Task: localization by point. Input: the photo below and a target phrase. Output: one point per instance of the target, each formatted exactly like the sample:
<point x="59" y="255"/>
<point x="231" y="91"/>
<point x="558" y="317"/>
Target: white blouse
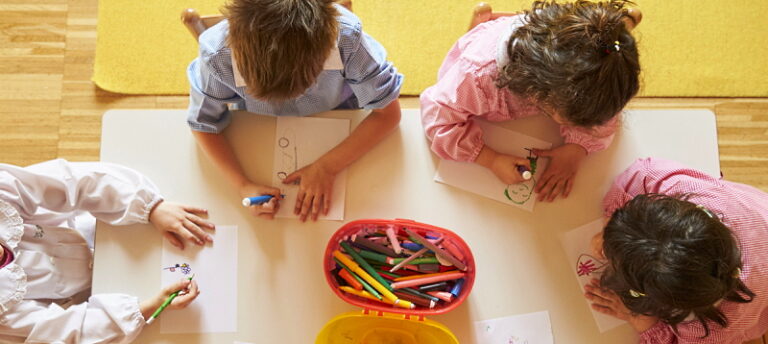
<point x="45" y="291"/>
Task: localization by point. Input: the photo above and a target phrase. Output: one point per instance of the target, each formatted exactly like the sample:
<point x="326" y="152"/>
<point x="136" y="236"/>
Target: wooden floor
<point x="49" y="108"/>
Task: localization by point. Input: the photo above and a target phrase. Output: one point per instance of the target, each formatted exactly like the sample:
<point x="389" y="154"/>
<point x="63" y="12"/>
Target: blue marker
<point x="456" y="290"/>
<point x="411" y="246"/>
<point x="249" y="201"/>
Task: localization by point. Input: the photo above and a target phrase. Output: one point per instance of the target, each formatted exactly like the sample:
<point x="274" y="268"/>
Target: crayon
<point x="456" y="290"/>
<point x="421" y="240"/>
<point x="427" y="280"/>
<point x="350" y="280"/>
<point x="405" y="278"/>
<point x="433" y="286"/>
<point x="442" y="295"/>
<point x="373" y="282"/>
<point x="364" y="265"/>
<point x="365" y="243"/>
<point x="365" y="284"/>
<point x="415" y="299"/>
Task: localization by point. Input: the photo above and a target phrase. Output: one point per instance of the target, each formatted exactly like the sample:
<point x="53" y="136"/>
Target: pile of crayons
<point x="397" y="266"/>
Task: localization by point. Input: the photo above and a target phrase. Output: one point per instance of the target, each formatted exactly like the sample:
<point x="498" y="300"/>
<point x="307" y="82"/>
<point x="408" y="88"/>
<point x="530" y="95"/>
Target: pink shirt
<point x="466" y="88"/>
<point x="743" y="209"/>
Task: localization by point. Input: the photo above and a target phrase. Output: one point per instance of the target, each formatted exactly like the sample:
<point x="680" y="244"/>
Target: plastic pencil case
<point x="451" y="243"/>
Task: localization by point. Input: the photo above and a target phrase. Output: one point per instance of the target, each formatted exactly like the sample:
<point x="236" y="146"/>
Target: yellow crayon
<point x="374" y="283"/>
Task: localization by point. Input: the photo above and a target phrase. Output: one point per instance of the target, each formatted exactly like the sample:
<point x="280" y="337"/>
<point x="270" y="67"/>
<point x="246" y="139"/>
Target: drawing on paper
<point x="184" y="268"/>
<point x="586" y="265"/>
<point x="520" y="193"/>
<point x="289" y="154"/>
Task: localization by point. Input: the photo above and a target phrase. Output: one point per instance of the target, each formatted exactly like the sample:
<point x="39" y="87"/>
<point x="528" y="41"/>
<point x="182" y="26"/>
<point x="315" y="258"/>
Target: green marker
<point x="165" y="304"/>
<point x="363" y="264"/>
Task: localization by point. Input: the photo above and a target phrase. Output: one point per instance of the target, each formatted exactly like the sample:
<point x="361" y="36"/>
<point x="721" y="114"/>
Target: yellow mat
<point x="688" y="47"/>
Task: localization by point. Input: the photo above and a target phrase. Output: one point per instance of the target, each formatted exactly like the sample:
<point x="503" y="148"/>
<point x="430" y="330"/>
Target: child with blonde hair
<point x="291" y="58"/>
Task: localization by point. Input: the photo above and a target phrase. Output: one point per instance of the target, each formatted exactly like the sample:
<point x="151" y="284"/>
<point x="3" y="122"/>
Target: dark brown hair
<point x="565" y="56"/>
<point x="280" y="46"/>
<point x="679" y="256"/>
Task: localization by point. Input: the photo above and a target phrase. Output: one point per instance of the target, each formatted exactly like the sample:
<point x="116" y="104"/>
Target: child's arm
<point x="112" y="193"/>
<point x="104" y="318"/>
<point x="317" y="178"/>
<point x="218" y="149"/>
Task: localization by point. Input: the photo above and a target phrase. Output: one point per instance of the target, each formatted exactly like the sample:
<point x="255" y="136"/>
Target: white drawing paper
<point x="214" y="267"/>
<point x="299" y="141"/>
<point x="480" y="180"/>
<point x="578" y="250"/>
<point x="530" y="328"/>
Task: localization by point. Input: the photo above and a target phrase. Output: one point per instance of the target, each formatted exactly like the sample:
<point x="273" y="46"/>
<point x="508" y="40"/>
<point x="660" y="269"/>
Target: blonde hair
<point x="280" y="46"/>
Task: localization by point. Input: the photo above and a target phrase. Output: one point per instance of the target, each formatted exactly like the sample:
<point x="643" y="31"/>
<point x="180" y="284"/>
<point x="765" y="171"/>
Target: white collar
<point x="333" y="62"/>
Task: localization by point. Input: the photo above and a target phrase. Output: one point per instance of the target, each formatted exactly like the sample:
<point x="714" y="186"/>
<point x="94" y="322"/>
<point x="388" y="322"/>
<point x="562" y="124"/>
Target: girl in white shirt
<point x="46" y="225"/>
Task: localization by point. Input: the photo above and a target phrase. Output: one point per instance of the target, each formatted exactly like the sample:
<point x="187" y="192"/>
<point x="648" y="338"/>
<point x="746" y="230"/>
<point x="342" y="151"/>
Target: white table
<point x="283" y="296"/>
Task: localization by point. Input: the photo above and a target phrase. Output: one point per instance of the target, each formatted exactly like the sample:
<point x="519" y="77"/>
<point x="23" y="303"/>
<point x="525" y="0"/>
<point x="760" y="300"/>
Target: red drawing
<point x="586" y="265"/>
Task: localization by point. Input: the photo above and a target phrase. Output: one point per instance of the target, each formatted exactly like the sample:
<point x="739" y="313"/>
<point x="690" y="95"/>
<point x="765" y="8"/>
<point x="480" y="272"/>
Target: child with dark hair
<point x="687" y="256"/>
<point x="576" y="63"/>
<point x="291" y="58"/>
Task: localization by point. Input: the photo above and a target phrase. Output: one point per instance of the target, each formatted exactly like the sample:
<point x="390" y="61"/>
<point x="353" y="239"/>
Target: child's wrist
<point x="486" y="157"/>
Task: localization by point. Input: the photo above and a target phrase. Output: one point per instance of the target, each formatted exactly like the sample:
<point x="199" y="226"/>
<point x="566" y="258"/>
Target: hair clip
<point x="634" y="293"/>
<point x="616" y="46"/>
<point x="705" y="210"/>
<point x="737" y="273"/>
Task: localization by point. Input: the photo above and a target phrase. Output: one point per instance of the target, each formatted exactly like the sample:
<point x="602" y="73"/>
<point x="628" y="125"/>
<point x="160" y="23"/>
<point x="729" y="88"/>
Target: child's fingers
<point x="290" y="179"/>
<point x="171" y="237"/>
<point x="542" y="152"/>
<point x="523" y="162"/>
<point x="604" y="310"/>
<point x="327" y="202"/>
<point x="199" y="234"/>
<point x="182" y="231"/>
<point x="201" y="221"/>
<point x="557" y="188"/>
<point x="194" y="210"/>
<point x="568" y="187"/>
<point x="176" y="286"/>
<point x="306" y="206"/>
<point x="317" y="205"/>
<point x="183" y="301"/>
<point x="543" y="181"/>
<point x="299" y="202"/>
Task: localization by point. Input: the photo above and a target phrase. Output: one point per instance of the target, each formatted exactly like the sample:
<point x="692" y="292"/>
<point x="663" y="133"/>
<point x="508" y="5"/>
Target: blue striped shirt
<point x="367" y="80"/>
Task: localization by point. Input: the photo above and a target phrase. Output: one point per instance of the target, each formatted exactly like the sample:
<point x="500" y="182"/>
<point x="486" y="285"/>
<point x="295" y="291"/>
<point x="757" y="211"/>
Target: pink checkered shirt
<point x="466" y="88"/>
<point x="743" y="209"/>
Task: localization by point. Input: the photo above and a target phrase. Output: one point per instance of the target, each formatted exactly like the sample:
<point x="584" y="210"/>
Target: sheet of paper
<point x="531" y="328"/>
<point x="215" y="270"/>
<point x="576" y="244"/>
<point x="480" y="180"/>
<point x="299" y="141"/>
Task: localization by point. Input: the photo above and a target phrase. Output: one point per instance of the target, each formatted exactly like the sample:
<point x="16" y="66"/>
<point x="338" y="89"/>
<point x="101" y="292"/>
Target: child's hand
<point x="502" y="165"/>
<point x="188" y="292"/>
<point x="607" y="302"/>
<point x="315" y="190"/>
<point x="558" y="178"/>
<point x="505" y="168"/>
<point x="266" y="210"/>
<point x="178" y="221"/>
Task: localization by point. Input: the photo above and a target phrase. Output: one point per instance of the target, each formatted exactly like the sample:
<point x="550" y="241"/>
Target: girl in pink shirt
<point x="687" y="253"/>
<point x="576" y="63"/>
